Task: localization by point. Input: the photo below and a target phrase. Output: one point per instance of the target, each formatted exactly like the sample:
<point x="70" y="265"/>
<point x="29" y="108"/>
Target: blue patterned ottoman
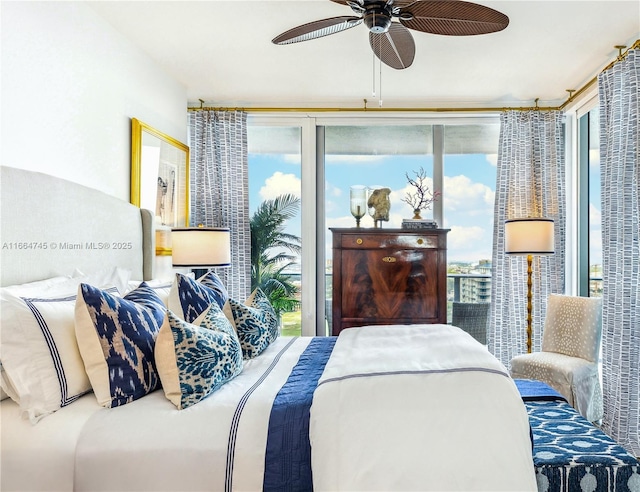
<point x="570" y="454"/>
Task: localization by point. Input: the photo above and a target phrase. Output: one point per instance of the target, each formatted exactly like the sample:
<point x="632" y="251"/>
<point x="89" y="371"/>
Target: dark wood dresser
<point x="389" y="276"/>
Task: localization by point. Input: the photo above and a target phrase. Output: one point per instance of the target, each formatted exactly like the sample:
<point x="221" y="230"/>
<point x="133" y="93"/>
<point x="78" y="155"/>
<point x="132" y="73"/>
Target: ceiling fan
<point x="391" y="41"/>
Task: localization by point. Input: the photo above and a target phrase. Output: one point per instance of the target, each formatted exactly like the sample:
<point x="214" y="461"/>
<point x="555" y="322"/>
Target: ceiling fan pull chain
<point x="380" y="70"/>
<point x="373" y="74"/>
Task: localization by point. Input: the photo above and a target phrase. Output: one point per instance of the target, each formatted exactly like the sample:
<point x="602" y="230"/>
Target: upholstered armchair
<point x="568" y="361"/>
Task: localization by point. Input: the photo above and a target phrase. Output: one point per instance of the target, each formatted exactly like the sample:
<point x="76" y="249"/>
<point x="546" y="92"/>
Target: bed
<point x="420" y="407"/>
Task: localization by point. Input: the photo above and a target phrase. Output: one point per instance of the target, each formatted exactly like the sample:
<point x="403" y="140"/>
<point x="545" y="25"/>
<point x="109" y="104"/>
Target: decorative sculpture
<point x="423" y="197"/>
<point x="379" y="201"/>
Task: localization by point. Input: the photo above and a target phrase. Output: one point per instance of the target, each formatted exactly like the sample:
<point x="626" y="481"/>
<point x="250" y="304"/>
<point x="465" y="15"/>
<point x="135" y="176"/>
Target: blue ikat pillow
<point x="116" y="337"/>
<point x="190" y="298"/>
<point x="196" y="359"/>
<point x="255" y="321"/>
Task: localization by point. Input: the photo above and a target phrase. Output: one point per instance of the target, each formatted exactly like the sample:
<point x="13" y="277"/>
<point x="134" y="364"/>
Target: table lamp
<point x="201" y="248"/>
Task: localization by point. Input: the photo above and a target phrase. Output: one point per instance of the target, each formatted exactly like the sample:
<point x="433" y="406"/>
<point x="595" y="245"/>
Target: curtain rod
<point x="572" y="95"/>
<point x="370" y="110"/>
<point x="621" y="56"/>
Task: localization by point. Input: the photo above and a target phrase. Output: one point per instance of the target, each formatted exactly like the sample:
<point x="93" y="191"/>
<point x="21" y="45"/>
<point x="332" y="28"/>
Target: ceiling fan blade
<point x="395" y="47"/>
<point x="317" y="29"/>
<point x="453" y="18"/>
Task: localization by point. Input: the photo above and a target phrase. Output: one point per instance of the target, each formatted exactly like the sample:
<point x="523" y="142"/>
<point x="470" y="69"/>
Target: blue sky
<point x="468" y="195"/>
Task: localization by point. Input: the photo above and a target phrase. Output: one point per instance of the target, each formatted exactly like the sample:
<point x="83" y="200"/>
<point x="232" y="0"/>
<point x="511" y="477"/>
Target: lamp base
<point x="199" y="272"/>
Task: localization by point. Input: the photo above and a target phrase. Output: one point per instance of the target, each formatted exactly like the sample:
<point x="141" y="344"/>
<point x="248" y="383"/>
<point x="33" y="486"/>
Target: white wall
<point x="70" y="84"/>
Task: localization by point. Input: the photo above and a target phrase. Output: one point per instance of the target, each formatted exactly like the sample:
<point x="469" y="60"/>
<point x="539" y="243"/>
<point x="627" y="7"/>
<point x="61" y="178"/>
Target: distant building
<point x="476" y="287"/>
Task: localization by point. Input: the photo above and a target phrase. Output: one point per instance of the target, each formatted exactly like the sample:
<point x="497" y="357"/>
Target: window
<point x="458" y="157"/>
<point x="470" y="159"/>
<point x="589" y="229"/>
<point x="275" y="185"/>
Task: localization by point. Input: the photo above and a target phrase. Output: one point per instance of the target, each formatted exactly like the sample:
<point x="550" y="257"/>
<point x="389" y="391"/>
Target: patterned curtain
<point x="619" y="88"/>
<point x="530" y="182"/>
<point x="219" y="181"/>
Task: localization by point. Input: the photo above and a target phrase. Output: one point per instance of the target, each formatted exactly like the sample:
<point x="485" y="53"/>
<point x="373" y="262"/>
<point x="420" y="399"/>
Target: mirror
<point x="159" y="175"/>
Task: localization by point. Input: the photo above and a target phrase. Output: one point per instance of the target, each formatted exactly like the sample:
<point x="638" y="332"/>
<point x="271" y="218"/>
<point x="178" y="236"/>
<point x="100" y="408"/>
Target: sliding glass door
<point x="321" y="158"/>
<point x="275" y="191"/>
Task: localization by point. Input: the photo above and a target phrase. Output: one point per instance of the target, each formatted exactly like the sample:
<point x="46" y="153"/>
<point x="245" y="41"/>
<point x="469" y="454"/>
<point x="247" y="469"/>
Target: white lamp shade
<point x="531" y="236"/>
<point x="197" y="247"/>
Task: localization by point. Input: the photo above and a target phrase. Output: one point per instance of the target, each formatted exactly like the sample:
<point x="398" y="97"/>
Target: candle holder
<point x="358" y="196"/>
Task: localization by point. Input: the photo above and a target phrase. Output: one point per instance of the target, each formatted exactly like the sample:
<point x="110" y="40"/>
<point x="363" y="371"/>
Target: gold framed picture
<point x="159" y="175"/>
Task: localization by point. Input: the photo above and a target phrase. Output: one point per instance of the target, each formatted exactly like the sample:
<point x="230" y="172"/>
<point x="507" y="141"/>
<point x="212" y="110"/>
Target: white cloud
<point x="332" y="190"/>
<point x="463" y="195"/>
<point x="279" y="184"/>
<point x="492" y="159"/>
<point x="469" y="243"/>
<point x="594" y="158"/>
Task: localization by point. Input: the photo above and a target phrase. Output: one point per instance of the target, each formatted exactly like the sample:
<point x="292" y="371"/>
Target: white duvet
<point x="149" y="445"/>
<point x="398" y="408"/>
<point x="218" y="444"/>
<point x="420" y="407"/>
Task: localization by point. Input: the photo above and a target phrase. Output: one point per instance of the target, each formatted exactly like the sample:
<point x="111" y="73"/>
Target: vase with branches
<point x="423" y="197"/>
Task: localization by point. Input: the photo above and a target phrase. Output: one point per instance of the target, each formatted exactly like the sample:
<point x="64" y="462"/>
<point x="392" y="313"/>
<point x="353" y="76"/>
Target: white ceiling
<point x="221" y="51"/>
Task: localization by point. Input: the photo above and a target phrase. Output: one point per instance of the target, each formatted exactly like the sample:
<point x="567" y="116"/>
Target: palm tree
<point x="271" y="251"/>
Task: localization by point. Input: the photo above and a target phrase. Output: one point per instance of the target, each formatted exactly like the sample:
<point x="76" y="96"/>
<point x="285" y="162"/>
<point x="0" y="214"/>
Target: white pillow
<point x="107" y="277"/>
<point x="62" y="285"/>
<point x="6" y="387"/>
<point x="40" y="354"/>
<point x="40" y="287"/>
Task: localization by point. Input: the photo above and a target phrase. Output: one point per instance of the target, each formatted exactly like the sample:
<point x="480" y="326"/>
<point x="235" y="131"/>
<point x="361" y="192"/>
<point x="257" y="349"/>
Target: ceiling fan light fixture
<point x="377" y="19"/>
<point x="392" y="42"/>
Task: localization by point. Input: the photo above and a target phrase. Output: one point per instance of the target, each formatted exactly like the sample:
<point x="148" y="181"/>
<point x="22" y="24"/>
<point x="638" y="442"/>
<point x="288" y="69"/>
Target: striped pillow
<point x="40" y="356"/>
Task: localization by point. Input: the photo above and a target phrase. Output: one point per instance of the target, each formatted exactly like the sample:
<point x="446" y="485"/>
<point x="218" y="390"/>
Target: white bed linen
<point x="421" y="407"/>
<point x="150" y="445"/>
<point x="41" y="456"/>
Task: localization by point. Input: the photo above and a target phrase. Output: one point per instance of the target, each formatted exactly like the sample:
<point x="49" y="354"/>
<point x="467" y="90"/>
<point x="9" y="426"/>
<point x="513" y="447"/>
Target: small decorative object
<point x="358" y="195"/>
<point x="371" y="210"/>
<point x="379" y="201"/>
<point x="423" y="197"/>
<point x="419" y="224"/>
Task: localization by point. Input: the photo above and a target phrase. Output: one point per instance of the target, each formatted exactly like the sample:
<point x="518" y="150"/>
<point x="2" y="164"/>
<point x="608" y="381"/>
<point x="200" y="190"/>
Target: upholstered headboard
<point x="50" y="226"/>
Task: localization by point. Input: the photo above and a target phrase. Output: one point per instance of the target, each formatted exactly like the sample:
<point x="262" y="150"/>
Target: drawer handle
<point x="420" y="241"/>
<point x="389" y="259"/>
<point x="359" y="241"/>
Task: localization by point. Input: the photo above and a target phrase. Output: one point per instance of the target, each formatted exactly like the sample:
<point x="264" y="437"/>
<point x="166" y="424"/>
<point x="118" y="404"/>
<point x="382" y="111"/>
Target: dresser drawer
<point x="388" y="277"/>
<point x="381" y="241"/>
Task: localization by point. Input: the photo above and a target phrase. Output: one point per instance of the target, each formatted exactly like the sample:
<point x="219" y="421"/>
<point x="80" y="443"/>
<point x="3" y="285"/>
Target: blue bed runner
<point x="288" y="454"/>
